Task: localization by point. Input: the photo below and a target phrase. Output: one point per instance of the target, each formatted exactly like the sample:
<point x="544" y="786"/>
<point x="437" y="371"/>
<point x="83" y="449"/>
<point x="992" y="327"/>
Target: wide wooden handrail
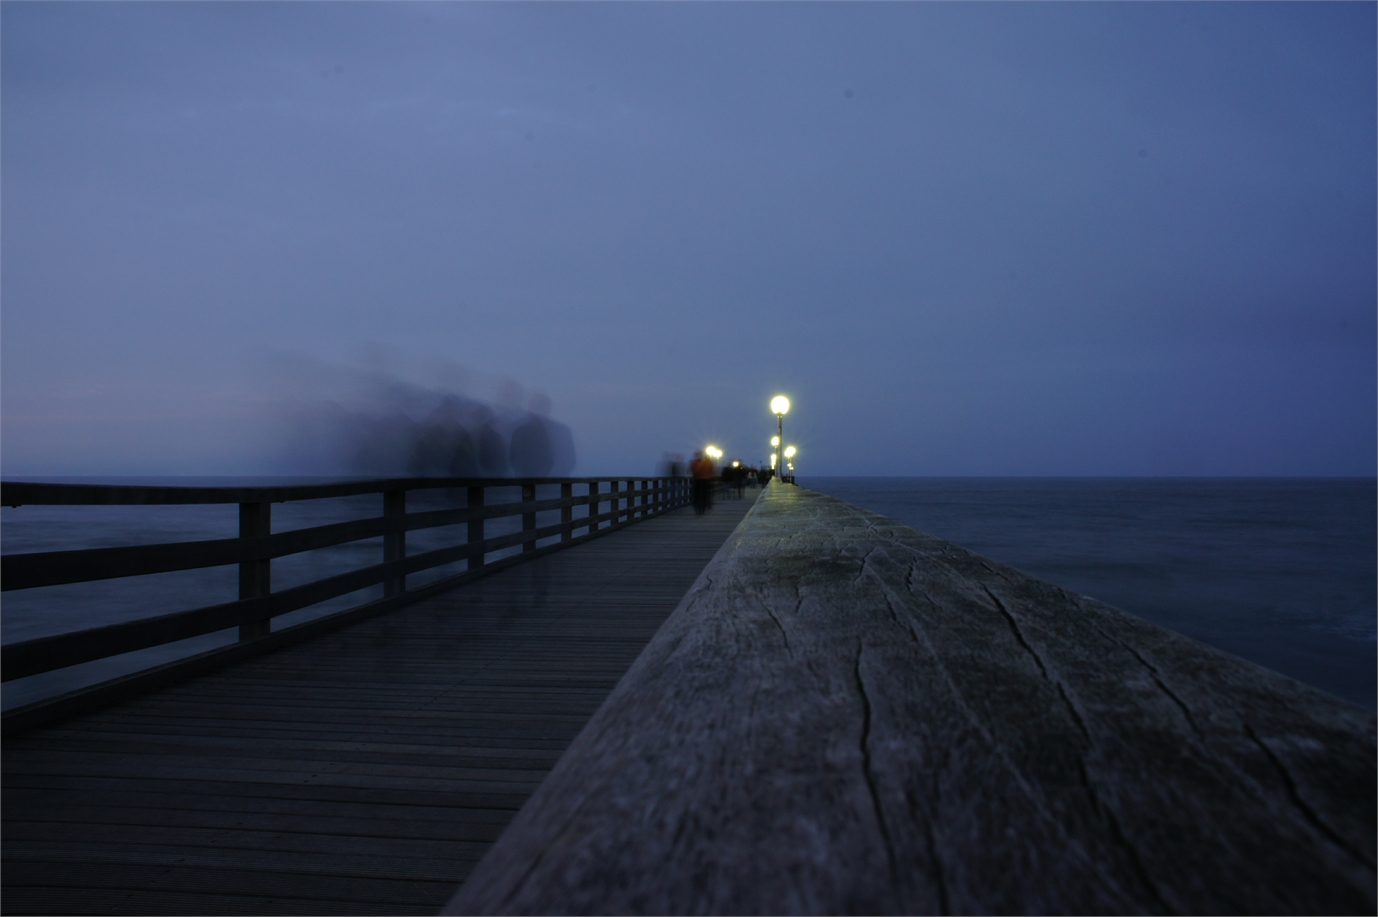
<point x="630" y="499"/>
<point x="844" y="715"/>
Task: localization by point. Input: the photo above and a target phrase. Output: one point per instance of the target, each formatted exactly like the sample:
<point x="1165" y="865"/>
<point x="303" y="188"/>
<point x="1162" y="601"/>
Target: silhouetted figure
<point x="739" y="481"/>
<point x="464" y="461"/>
<point x="532" y="454"/>
<point x="492" y="450"/>
<point x="442" y="445"/>
<point x="672" y="464"/>
<point x="561" y="439"/>
<point x="701" y="468"/>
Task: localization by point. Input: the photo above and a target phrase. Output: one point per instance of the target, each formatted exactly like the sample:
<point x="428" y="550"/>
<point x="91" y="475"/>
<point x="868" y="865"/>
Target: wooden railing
<point x="628" y="500"/>
<point x="846" y="716"/>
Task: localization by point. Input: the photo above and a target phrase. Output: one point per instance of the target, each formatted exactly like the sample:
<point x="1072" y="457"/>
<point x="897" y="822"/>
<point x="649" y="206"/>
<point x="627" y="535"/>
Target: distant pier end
<point x="847" y="716"/>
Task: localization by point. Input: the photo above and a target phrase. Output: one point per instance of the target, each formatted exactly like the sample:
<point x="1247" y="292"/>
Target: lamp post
<point x="789" y="459"/>
<point x="780" y="405"/>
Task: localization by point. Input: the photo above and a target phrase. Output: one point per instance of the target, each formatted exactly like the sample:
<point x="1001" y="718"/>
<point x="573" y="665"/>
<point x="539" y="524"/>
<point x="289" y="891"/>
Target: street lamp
<point x="780" y="405"/>
<point x="789" y="461"/>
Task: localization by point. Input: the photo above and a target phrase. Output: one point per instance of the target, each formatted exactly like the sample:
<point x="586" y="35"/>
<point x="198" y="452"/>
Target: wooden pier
<point x="364" y="771"/>
<point x="822" y="711"/>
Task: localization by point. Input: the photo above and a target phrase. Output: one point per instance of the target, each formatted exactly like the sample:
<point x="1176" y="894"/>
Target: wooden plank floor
<point x="363" y="772"/>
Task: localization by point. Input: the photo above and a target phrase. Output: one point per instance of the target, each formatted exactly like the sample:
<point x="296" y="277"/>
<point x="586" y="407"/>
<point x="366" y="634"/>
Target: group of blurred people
<point x="461" y="437"/>
<point x="708" y="479"/>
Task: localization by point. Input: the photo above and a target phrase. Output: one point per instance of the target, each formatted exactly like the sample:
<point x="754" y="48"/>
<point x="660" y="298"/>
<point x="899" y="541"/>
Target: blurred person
<point x="443" y="445"/>
<point x="532" y="455"/>
<point x="701" y="469"/>
<point x="563" y="458"/>
<point x="492" y="447"/>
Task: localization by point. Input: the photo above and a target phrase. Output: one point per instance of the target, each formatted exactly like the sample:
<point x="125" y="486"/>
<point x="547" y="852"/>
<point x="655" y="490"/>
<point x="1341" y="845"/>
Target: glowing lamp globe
<point x="779" y="405"/>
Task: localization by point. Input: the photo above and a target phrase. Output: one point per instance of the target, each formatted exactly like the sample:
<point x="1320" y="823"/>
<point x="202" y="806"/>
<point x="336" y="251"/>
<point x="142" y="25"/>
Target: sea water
<point x="1277" y="571"/>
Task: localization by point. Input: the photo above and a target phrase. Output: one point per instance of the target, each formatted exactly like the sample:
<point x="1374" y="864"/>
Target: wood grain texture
<point x="847" y="716"/>
<point x="365" y="771"/>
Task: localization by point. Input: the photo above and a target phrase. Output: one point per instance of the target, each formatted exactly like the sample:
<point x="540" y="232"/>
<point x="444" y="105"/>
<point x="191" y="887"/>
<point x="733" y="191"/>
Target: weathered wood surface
<point x="363" y="772"/>
<point x="847" y="716"/>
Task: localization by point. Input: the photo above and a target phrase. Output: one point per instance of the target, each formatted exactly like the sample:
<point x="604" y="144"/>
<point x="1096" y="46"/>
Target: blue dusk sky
<point x="965" y="239"/>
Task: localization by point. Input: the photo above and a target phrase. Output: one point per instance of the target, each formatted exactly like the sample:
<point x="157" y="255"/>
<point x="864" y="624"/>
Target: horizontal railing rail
<point x="55" y="568"/>
<point x="25" y="493"/>
<point x="629" y="499"/>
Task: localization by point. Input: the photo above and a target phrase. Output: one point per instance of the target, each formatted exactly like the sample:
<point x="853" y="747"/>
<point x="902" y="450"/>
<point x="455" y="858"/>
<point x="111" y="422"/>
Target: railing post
<point x="394" y="544"/>
<point x="476" y="526"/>
<point x="593" y="505"/>
<point x="528" y="519"/>
<point x="255" y="576"/>
<point x="566" y="513"/>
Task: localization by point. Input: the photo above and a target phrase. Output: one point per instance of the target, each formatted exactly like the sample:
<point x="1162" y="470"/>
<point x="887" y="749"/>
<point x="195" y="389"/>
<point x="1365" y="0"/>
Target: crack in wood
<point x="1157" y="679"/>
<point x="783" y="636"/>
<point x="1309" y="813"/>
<point x="1136" y="861"/>
<point x="868" y="772"/>
<point x="1014" y="628"/>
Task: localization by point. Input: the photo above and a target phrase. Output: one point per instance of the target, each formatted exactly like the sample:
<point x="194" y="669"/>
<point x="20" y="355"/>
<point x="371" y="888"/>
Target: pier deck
<point x="365" y="771"/>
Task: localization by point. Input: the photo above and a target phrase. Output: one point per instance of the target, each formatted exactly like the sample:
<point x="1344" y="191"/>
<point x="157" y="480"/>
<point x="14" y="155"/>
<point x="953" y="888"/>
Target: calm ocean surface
<point x="1279" y="571"/>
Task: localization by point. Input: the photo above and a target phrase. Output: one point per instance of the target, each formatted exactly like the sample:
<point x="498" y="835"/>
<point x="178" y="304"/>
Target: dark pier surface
<point x="365" y="771"/>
